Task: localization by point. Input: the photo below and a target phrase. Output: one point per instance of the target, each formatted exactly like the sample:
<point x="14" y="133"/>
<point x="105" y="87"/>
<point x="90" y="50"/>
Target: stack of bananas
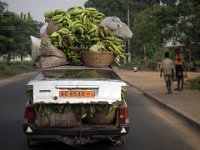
<point x="80" y="28"/>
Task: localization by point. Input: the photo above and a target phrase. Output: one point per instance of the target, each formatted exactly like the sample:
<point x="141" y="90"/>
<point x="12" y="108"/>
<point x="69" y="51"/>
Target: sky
<point x="37" y="8"/>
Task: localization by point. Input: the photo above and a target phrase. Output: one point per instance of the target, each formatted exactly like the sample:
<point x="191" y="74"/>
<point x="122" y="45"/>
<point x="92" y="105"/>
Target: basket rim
<point x="97" y="52"/>
<point x="97" y="59"/>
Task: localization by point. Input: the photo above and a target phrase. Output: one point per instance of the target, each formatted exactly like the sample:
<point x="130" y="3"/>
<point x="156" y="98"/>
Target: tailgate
<point x="73" y="91"/>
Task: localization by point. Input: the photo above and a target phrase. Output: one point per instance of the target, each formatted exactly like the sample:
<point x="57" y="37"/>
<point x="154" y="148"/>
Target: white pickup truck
<point x="76" y="105"/>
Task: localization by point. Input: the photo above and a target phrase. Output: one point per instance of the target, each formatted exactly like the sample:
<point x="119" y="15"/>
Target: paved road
<point x="152" y="128"/>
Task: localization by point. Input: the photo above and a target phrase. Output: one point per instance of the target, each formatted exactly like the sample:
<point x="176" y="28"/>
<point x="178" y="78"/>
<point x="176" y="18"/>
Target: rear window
<point x="80" y="74"/>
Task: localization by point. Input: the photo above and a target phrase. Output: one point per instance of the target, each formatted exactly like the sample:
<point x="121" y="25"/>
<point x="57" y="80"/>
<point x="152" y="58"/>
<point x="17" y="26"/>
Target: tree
<point x="3" y="6"/>
<point x="119" y="7"/>
<point x="189" y="25"/>
<point x="26" y="27"/>
<point x="182" y="24"/>
<point x="15" y="33"/>
<point x="29" y="17"/>
<point x="7" y="30"/>
<point x="147" y="37"/>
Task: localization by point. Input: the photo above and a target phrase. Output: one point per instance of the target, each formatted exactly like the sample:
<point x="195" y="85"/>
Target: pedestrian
<point x="179" y="67"/>
<point x="166" y="69"/>
<point x="158" y="62"/>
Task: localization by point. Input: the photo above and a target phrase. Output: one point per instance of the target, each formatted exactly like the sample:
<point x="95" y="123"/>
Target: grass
<point x="195" y="84"/>
<point x="14" y="68"/>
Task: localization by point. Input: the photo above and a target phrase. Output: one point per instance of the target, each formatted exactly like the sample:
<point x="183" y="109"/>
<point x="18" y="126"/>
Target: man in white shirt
<point x="166" y="69"/>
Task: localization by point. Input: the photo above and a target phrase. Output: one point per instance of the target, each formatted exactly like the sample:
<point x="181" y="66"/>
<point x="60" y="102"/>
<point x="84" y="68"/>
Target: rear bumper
<point x="108" y="131"/>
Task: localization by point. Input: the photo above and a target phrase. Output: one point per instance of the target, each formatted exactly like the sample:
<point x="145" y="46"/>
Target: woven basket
<point x="97" y="59"/>
<point x="103" y="117"/>
<point x="67" y="119"/>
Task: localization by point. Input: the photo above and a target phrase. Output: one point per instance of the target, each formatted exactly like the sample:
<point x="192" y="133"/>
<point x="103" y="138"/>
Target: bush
<point x="13" y="68"/>
<point x="195" y="84"/>
<point x="151" y="64"/>
<point x="129" y="66"/>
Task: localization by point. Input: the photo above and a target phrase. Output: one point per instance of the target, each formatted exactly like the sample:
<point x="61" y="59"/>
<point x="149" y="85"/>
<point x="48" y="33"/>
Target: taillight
<point x="123" y="115"/>
<point x="30" y="114"/>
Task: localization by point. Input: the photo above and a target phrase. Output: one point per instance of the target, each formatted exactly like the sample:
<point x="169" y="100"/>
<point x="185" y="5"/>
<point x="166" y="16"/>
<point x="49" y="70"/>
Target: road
<point x="152" y="127"/>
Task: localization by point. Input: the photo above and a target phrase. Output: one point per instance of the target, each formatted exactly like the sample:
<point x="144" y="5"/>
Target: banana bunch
<point x="86" y="15"/>
<point x="79" y="27"/>
<point x="63" y="38"/>
<point x="115" y="45"/>
<point x="55" y="16"/>
<point x="43" y="110"/>
<point x="48" y="110"/>
<point x="88" y="111"/>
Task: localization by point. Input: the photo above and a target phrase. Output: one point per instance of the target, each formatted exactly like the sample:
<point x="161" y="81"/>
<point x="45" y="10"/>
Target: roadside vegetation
<point x="14" y="68"/>
<point x="194" y="84"/>
<point x="15" y="31"/>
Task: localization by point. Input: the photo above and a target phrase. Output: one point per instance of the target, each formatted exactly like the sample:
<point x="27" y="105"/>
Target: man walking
<point x="179" y="65"/>
<point x="166" y="69"/>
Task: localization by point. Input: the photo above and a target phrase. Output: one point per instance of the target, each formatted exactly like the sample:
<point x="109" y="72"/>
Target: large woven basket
<point x="103" y="117"/>
<point x="67" y="119"/>
<point x="97" y="59"/>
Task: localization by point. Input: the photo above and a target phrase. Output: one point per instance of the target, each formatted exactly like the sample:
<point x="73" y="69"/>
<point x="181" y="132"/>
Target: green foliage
<point x="195" y="84"/>
<point x="157" y="25"/>
<point x="12" y="69"/>
<point x="119" y="7"/>
<point x="15" y="33"/>
<point x="3" y="6"/>
<point x="147" y="34"/>
<point x="189" y="23"/>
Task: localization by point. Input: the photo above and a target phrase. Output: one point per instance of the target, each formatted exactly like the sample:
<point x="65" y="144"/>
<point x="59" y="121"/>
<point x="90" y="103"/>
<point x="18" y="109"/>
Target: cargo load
<point x="82" y="30"/>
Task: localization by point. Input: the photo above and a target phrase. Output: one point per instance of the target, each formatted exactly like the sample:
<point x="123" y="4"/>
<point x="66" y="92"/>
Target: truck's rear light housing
<point x="123" y="115"/>
<point x="30" y="115"/>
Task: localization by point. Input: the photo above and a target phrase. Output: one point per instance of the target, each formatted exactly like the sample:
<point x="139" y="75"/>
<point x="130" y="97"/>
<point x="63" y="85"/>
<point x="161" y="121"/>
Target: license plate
<point x="77" y="93"/>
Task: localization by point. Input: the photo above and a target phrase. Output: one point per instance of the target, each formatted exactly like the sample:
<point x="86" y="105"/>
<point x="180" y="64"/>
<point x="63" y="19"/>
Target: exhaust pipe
<point x="114" y="141"/>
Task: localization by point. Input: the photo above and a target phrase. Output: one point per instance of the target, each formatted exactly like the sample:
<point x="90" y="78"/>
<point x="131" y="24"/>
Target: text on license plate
<point x="77" y="93"/>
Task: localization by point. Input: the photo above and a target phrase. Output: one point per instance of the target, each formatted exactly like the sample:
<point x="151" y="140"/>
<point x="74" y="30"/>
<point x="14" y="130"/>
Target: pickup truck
<point x="76" y="105"/>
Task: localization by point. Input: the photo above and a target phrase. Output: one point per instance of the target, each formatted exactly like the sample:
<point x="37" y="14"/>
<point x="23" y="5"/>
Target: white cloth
<point x="167" y="66"/>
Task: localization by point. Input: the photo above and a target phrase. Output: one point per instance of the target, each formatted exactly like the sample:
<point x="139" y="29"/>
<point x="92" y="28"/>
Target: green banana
<point x="57" y="17"/>
<point x="59" y="11"/>
<point x="91" y="9"/>
<point x="85" y="19"/>
<point x="95" y="39"/>
<point x="81" y="30"/>
<point x="106" y="31"/>
<point x="81" y="16"/>
<point x="93" y="29"/>
<point x="64" y="31"/>
<point x="75" y="12"/>
<point x="80" y="25"/>
<point x="54" y="34"/>
<point x="101" y="33"/>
